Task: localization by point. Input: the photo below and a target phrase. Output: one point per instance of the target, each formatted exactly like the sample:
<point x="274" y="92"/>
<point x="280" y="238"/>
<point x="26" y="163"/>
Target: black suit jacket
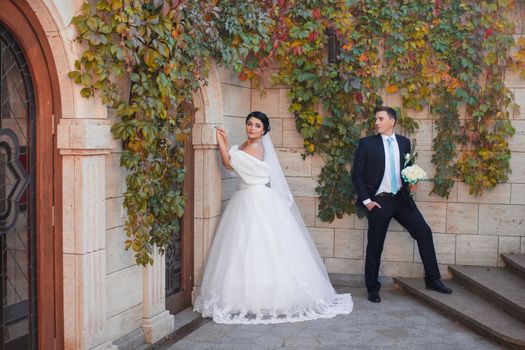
<point x="369" y="167"/>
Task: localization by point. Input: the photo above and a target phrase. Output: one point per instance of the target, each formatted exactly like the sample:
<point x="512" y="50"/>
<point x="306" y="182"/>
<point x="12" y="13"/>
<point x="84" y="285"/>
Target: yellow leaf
<point x="391" y="89"/>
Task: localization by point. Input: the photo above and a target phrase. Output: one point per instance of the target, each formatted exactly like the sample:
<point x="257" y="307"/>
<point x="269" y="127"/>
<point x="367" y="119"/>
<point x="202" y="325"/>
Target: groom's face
<point x="384" y="123"/>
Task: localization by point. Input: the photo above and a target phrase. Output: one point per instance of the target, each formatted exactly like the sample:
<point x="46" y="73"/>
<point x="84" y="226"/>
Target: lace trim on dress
<point x="341" y="304"/>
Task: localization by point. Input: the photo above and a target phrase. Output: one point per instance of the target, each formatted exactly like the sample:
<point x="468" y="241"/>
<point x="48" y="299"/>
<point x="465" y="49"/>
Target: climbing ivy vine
<point x="446" y="57"/>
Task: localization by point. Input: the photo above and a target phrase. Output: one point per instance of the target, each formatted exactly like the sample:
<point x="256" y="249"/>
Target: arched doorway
<point x="31" y="246"/>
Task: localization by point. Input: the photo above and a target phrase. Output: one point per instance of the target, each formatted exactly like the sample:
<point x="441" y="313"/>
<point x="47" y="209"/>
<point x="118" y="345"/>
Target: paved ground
<point x="398" y="322"/>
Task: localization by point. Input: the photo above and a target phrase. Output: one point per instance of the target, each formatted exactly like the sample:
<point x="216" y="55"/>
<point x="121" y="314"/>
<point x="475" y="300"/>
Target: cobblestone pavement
<point x="398" y="322"/>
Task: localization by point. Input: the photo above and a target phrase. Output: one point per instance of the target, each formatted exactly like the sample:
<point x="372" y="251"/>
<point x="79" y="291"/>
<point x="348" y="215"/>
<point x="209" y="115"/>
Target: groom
<point x="376" y="174"/>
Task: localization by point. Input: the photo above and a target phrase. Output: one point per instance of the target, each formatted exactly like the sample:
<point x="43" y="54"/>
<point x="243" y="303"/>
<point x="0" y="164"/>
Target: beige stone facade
<point x="107" y="296"/>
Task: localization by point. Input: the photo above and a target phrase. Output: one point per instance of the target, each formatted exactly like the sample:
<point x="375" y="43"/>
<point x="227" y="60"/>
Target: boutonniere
<point x="411" y="156"/>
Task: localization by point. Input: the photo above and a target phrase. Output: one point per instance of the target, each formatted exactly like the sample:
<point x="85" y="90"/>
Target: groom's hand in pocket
<point x="371" y="205"/>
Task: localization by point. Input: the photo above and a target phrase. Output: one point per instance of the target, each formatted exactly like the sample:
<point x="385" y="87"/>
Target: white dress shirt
<point x="386" y="185"/>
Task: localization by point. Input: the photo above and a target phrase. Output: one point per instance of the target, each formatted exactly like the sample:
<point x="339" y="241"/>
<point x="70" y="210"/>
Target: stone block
<point x="508" y="245"/>
<point x="230" y="77"/>
<point x="445" y="246"/>
<point x="424" y="136"/>
<point x="198" y="250"/>
<point x="235" y="129"/>
<point x="292" y="138"/>
<point x="517" y="142"/>
<point x="346" y="266"/>
<point x="517" y="164"/>
<point x="435" y="215"/>
<point x="228" y="187"/>
<point x="361" y="223"/>
<point x="68" y="205"/>
<point x="324" y="240"/>
<point x="499" y="194"/>
<point x="115" y="178"/>
<point x="504" y="220"/>
<point x="293" y="164"/>
<point x="425" y="187"/>
<point x="399" y="246"/>
<point x="308" y="209"/>
<point x="519" y="96"/>
<point x="115" y="212"/>
<point x="401" y="269"/>
<point x="349" y="244"/>
<point x="347" y="221"/>
<point x="477" y="250"/>
<point x="318" y="163"/>
<point x="302" y="186"/>
<point x="268" y="104"/>
<point x="284" y="104"/>
<point x="84" y="134"/>
<point x="117" y="257"/>
<point x="424" y="160"/>
<point x="517" y="194"/>
<point x="125" y="322"/>
<point x="462" y="218"/>
<point x="124" y="290"/>
<point x="236" y="100"/>
<point x="198" y="185"/>
<point x="211" y="192"/>
<point x="276" y="132"/>
<point x="512" y="79"/>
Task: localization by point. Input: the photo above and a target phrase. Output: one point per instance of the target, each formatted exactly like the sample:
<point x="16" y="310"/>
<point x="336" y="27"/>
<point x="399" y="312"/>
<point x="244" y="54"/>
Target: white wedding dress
<point x="263" y="266"/>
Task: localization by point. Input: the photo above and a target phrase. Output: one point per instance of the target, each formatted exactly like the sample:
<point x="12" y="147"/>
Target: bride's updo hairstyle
<point x="262" y="117"/>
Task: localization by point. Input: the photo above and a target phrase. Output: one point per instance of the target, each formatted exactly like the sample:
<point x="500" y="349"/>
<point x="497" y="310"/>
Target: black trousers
<point x="412" y="220"/>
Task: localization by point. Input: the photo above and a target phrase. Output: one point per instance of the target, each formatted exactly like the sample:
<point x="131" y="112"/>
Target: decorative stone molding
<point x="84" y="136"/>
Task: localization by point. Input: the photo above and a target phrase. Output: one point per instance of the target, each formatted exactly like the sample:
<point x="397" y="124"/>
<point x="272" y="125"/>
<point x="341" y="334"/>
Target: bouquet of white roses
<point x="413" y="173"/>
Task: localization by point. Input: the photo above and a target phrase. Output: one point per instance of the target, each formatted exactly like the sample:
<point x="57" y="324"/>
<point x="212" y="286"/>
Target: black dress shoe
<point x="374" y="297"/>
<point x="437" y="285"/>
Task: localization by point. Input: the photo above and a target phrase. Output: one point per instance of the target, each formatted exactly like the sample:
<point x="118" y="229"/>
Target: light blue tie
<point x="393" y="178"/>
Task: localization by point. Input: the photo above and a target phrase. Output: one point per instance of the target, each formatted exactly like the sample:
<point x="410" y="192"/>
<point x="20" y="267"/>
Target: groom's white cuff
<point x="366" y="201"/>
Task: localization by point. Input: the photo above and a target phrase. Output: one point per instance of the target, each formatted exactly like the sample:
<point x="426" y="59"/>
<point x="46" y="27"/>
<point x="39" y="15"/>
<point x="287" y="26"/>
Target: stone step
<point x="472" y="310"/>
<point x="497" y="285"/>
<point x="515" y="263"/>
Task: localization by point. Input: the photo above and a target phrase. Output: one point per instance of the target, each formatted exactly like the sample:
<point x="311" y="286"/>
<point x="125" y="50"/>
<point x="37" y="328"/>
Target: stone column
<point x="207" y="185"/>
<point x="83" y="144"/>
<point x="157" y="322"/>
<point x="207" y="196"/>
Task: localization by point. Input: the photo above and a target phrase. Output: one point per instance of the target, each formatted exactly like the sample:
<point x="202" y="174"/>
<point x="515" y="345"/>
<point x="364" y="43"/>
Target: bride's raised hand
<point x="222" y="137"/>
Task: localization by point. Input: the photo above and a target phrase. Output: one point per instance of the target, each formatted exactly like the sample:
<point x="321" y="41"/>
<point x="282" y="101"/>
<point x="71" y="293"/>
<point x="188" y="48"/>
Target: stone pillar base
<point x="158" y="326"/>
<point x="105" y="346"/>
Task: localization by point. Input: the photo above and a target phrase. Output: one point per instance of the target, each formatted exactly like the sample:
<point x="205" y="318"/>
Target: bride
<point x="263" y="266"/>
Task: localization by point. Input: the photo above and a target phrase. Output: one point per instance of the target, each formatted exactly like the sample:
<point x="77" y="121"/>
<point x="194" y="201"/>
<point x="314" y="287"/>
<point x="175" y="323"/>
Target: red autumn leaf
<point x="316" y="13"/>
<point x="488" y="32"/>
<point x="298" y="50"/>
<point x="312" y="36"/>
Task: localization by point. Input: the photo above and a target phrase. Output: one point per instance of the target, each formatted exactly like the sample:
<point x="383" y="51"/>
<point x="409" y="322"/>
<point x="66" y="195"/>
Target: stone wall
<point x="467" y="230"/>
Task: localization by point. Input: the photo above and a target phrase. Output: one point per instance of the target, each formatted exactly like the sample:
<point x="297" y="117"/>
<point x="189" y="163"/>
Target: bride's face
<point x="254" y="128"/>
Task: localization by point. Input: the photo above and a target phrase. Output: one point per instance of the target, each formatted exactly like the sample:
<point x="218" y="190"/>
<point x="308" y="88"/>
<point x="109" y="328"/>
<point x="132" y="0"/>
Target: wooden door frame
<point x="25" y="27"/>
<point x="182" y="299"/>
